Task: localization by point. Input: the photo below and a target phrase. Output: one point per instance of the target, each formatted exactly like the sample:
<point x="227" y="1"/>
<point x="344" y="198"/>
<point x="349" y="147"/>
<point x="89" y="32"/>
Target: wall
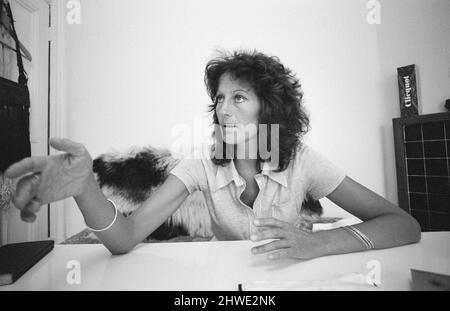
<point x="412" y="32"/>
<point x="135" y="71"/>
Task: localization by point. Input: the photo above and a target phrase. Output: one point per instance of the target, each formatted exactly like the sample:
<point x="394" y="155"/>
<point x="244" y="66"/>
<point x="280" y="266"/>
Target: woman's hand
<point x="290" y="242"/>
<point x="50" y="179"/>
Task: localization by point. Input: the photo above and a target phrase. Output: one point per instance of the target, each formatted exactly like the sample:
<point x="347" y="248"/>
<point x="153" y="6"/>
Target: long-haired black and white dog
<point x="130" y="178"/>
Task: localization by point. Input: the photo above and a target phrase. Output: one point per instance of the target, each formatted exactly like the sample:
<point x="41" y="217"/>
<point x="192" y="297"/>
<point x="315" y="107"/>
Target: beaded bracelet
<point x="360" y="236"/>
<point x="112" y="223"/>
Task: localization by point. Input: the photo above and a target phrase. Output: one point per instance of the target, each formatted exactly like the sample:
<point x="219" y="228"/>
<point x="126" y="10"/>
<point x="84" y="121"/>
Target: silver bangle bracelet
<point x="360" y="236"/>
<point x="112" y="223"/>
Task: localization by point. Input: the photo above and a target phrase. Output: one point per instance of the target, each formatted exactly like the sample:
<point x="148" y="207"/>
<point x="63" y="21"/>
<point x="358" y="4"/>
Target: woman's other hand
<point x="290" y="241"/>
<point x="50" y="179"/>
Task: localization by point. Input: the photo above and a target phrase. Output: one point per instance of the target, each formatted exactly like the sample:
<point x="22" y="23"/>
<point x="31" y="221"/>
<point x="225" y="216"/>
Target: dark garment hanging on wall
<point x="14" y="112"/>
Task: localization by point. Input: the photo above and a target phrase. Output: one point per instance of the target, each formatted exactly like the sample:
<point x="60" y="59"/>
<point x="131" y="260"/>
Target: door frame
<point x="39" y="229"/>
<point x="58" y="119"/>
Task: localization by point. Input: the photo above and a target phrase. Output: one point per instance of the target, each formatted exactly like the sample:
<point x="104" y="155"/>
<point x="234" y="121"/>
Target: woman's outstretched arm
<point x="49" y="179"/>
<point x="127" y="232"/>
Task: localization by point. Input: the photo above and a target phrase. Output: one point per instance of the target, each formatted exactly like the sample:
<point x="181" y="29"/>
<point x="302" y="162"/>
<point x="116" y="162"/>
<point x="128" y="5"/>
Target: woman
<point x="247" y="198"/>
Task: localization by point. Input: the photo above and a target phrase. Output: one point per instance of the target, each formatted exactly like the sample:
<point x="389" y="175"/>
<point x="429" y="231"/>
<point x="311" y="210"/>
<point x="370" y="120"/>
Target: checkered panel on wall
<point x="423" y="169"/>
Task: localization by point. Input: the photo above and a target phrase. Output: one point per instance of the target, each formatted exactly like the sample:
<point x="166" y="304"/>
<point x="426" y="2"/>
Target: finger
<point x="67" y="145"/>
<point x="281" y="254"/>
<point x="26" y="191"/>
<point x="270" y="247"/>
<point x="33" y="207"/>
<point x="28" y="217"/>
<point x="26" y="166"/>
<point x="272" y="233"/>
<point x="261" y="222"/>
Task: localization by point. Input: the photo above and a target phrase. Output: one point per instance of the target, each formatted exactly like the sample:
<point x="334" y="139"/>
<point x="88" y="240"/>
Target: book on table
<point x="17" y="259"/>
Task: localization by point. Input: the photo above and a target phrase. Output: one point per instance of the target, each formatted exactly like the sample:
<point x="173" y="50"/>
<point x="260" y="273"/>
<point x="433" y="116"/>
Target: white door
<point x="32" y="25"/>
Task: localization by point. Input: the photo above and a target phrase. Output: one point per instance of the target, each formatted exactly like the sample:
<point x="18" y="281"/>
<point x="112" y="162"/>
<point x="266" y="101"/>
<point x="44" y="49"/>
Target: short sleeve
<point x="192" y="173"/>
<point x="321" y="175"/>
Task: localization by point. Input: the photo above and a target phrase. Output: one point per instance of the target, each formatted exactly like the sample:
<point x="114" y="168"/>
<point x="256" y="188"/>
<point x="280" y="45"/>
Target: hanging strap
<point x="1" y="8"/>
<point x="23" y="79"/>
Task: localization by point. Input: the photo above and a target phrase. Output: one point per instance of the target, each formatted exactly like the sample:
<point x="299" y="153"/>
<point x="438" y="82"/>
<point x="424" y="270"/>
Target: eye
<point x="239" y="99"/>
<point x="219" y="99"/>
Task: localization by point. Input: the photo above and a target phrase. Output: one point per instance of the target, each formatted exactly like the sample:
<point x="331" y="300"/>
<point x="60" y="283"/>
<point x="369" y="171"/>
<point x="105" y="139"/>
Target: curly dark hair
<point x="278" y="91"/>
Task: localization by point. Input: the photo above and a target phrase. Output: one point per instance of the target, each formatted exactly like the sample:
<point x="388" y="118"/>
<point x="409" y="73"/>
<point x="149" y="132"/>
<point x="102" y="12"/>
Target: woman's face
<point x="237" y="110"/>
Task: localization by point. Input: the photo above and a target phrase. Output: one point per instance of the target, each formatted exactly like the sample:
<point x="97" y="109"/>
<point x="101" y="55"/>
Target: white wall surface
<point x="412" y="32"/>
<point x="135" y="71"/>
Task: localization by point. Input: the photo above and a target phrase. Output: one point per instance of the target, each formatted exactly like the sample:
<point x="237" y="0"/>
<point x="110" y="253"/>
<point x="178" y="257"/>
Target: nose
<point x="226" y="107"/>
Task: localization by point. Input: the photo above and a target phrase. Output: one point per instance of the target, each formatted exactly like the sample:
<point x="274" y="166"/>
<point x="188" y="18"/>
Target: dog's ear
<point x="133" y="174"/>
<point x="99" y="168"/>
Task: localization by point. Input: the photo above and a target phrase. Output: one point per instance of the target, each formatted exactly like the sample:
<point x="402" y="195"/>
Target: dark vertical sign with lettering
<point x="407" y="86"/>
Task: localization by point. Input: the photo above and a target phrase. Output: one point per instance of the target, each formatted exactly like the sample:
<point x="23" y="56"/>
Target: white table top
<point x="222" y="266"/>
